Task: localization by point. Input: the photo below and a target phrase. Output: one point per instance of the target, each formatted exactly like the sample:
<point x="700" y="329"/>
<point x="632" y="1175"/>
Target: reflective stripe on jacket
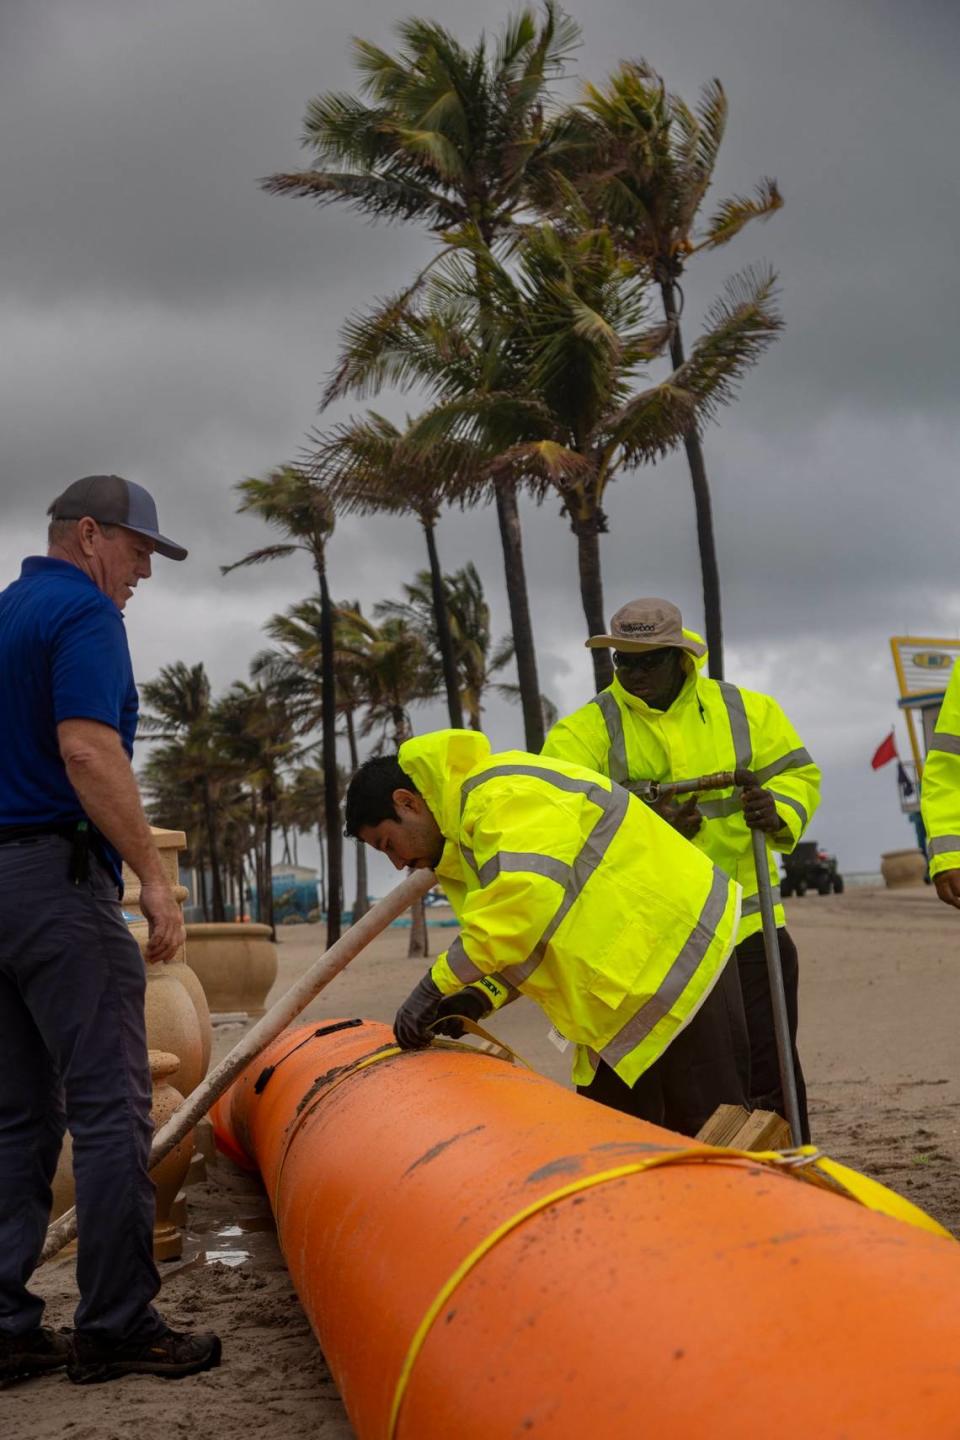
<point x="572" y="891"/>
<point x="940" y="786"/>
<point x="711" y="726"/>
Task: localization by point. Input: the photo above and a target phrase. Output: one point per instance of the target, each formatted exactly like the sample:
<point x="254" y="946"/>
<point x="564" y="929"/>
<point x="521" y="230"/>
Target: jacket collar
<point x="687" y="693"/>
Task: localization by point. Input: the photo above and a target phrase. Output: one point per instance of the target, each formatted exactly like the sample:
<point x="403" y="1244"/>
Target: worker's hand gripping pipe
<point x="654" y="791"/>
<point x="287" y="1008"/>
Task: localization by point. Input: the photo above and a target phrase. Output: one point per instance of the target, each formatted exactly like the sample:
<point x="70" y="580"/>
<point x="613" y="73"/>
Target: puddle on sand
<point x="223" y="1245"/>
<point x="227" y="1257"/>
<point x="248" y="1225"/>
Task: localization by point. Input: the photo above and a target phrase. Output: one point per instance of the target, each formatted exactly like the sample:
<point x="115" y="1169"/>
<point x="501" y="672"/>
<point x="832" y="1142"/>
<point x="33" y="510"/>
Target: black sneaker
<point x="170" y="1354"/>
<point x="35" y="1353"/>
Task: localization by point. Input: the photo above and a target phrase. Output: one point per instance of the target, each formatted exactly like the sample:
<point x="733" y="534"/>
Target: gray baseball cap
<point x="111" y="500"/>
<point x="652" y="624"/>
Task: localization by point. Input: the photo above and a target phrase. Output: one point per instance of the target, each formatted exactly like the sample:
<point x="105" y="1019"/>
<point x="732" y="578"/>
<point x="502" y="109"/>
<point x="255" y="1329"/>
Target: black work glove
<point x="471" y="1002"/>
<point x="412" y="1020"/>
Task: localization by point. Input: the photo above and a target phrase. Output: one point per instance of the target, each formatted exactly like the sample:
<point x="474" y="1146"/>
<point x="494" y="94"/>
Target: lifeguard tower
<point x="922" y="664"/>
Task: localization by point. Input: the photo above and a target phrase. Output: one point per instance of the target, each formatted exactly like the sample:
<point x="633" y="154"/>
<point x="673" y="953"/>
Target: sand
<point x="880" y="974"/>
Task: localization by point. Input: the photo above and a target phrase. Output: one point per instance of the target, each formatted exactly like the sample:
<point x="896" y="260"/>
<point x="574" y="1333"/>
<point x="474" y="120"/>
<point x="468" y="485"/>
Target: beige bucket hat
<point x="647" y="625"/>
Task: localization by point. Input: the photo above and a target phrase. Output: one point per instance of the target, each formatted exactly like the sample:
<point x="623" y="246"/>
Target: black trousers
<point x="73" y="1050"/>
<point x="706" y="1065"/>
<point x="765" y="1091"/>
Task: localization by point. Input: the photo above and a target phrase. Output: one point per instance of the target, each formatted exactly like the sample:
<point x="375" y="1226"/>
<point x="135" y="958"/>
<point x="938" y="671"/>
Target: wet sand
<point x="880" y="976"/>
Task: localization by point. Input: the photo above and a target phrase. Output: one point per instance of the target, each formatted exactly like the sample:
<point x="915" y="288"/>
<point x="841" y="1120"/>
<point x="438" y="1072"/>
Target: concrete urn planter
<point x="237" y="965"/>
<point x="167" y="1176"/>
<point x="178" y="1020"/>
<point x="902" y="867"/>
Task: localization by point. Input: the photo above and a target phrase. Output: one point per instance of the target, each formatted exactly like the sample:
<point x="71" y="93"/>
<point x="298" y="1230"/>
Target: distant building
<point x="295" y="892"/>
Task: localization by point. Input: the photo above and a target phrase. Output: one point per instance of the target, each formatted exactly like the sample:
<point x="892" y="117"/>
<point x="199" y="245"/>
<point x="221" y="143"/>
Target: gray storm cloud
<point x="164" y="318"/>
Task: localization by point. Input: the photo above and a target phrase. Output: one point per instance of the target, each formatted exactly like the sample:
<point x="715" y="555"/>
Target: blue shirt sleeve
<point x="91" y="673"/>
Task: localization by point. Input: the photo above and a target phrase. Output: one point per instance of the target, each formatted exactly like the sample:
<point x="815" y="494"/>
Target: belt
<point x="78" y="832"/>
<point x="10" y="834"/>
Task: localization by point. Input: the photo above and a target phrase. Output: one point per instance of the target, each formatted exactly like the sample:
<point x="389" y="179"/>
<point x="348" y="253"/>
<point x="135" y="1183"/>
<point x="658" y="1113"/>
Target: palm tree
<point x="469" y="618"/>
<point x="254" y="733"/>
<point x="391" y="672"/>
<point x="179" y="700"/>
<point x="169" y="782"/>
<point x="368" y="466"/>
<point x="642" y="161"/>
<point x="288" y="500"/>
<point x="559" y="411"/>
<point x="296" y="669"/>
<point x="447" y="139"/>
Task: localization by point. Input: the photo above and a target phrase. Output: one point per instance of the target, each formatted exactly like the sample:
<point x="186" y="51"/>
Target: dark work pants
<point x="706" y="1065"/>
<point x="73" y="1050"/>
<point x="765" y="1092"/>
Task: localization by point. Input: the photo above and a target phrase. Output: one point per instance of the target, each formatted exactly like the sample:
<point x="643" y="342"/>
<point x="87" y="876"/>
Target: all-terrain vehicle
<point x="809" y="867"/>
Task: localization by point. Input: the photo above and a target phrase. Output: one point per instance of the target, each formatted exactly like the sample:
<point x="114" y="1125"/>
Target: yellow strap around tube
<point x="695" y="1154"/>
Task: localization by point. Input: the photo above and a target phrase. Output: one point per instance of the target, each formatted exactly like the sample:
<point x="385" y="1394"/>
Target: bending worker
<point x="573" y="892"/>
<point x="662" y="720"/>
<point x="940" y="796"/>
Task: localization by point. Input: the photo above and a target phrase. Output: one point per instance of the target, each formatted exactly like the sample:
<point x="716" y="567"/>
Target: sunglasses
<point x="642" y="659"/>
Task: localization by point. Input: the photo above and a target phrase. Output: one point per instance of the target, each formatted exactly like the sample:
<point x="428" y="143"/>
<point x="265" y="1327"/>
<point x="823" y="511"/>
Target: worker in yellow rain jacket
<point x="940" y="796"/>
<point x="662" y="720"/>
<point x="571" y="891"/>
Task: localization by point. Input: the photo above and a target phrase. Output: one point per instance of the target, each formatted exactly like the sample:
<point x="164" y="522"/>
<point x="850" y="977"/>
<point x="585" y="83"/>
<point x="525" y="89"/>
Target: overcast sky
<point x="164" y="319"/>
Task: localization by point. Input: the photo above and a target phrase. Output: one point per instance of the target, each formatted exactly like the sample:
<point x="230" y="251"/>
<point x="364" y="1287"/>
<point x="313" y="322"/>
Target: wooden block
<point x="723" y="1124"/>
<point x="738" y="1129"/>
<point x="763" y="1130"/>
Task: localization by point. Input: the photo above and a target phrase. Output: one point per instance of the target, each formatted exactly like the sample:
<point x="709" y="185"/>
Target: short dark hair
<point x="59" y="530"/>
<point x="370" y="793"/>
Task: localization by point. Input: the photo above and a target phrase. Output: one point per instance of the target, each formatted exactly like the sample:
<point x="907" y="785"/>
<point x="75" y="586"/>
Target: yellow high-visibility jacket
<point x="711" y="726"/>
<point x="940" y="786"/>
<point x="572" y="891"/>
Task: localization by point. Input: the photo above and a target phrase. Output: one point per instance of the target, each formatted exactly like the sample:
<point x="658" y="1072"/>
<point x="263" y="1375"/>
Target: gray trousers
<point x="73" y="1051"/>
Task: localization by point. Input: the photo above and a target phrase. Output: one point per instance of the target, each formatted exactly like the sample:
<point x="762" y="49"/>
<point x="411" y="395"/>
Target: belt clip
<point x="79" y="871"/>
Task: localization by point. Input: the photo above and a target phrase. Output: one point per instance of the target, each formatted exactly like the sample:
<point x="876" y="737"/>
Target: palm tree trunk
<point x="266" y="907"/>
<point x="213" y="850"/>
<point x="323" y="870"/>
<point x="419" y="945"/>
<point x="331" y="799"/>
<point x="202" y="886"/>
<point x="441" y="618"/>
<point x="511" y="539"/>
<point x="709" y="570"/>
<point x="360" y="904"/>
<point x="587" y="531"/>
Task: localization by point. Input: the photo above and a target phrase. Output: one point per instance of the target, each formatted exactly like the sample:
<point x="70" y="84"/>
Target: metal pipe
<point x="722" y="780"/>
<point x="778" y="998"/>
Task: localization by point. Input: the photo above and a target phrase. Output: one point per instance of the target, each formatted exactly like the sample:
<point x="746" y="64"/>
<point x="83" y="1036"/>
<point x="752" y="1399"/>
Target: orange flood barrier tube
<point x="653" y="1296"/>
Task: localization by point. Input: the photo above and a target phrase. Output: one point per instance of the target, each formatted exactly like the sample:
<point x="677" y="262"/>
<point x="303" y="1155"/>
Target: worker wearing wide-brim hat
<point x="663" y="720"/>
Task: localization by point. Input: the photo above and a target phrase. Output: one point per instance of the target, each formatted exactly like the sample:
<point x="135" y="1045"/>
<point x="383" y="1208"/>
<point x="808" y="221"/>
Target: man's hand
<point x="685" y="818"/>
<point x="471" y="1002"/>
<point x="411" y="1024"/>
<point x="948" y="887"/>
<point x="760" y="809"/>
<point x="162" y="914"/>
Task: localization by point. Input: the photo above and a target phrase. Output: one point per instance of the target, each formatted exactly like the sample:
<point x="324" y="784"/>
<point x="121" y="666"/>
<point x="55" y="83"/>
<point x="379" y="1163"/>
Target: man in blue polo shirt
<point x="73" y="1045"/>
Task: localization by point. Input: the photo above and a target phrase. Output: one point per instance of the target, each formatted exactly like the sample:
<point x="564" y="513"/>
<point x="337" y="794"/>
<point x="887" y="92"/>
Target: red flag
<point x="885" y="753"/>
